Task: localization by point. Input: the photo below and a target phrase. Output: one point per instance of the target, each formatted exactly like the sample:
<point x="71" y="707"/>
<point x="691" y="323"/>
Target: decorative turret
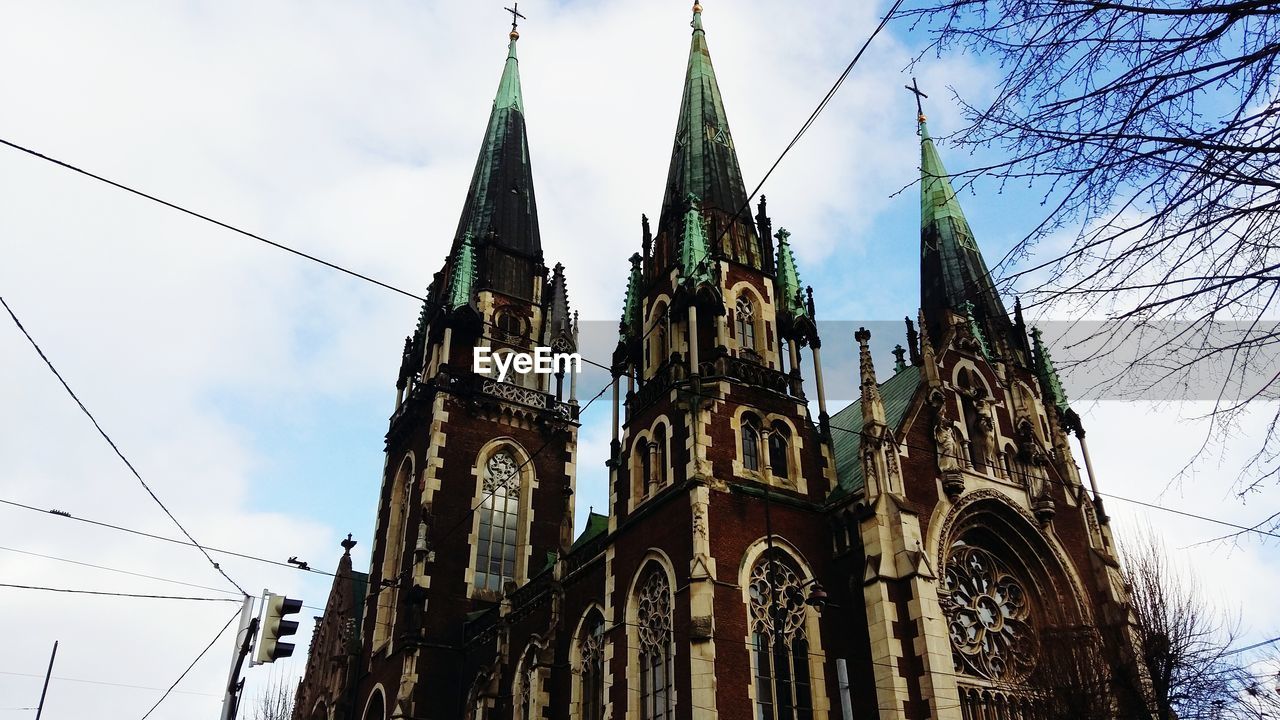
<point x="1050" y="385"/>
<point x="462" y="274"/>
<point x="873" y="417"/>
<point x="693" y="246"/>
<point x="953" y="276"/>
<point x="790" y="292"/>
<point x="560" y="323"/>
<point x="630" y="324"/>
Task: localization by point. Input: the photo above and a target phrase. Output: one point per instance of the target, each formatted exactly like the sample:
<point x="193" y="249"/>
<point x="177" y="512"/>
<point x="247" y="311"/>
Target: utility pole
<point x="48" y="673"/>
<point x="244" y="639"/>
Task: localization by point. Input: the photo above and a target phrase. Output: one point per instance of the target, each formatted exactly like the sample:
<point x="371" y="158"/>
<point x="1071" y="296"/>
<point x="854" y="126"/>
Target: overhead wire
<point x="117" y="570"/>
<point x="140" y="533"/>
<point x="115" y="594"/>
<point x="101" y="682"/>
<point x="203" y="652"/>
<point x="116" y="448"/>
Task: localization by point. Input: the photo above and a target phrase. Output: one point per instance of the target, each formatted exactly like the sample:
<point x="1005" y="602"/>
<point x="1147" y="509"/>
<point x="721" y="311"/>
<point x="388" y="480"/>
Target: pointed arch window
<point x="779" y="641"/>
<point x="654" y="626"/>
<point x="526" y="689"/>
<point x="393" y="542"/>
<point x="659" y="452"/>
<point x="498" y="536"/>
<point x="745" y="317"/>
<point x="779" y="447"/>
<point x="750" y="443"/>
<point x="644" y="466"/>
<point x="591" y="671"/>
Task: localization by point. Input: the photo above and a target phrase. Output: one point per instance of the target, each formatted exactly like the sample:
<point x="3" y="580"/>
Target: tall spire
<point x="703" y="160"/>
<point x="952" y="271"/>
<point x="500" y="204"/>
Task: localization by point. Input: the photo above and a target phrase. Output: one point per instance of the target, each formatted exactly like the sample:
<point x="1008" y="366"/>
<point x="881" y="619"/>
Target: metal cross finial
<point x="913" y="87"/>
<point x="515" y="15"/>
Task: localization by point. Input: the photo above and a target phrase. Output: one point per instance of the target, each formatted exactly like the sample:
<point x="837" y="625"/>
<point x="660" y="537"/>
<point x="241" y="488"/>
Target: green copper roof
<point x="703" y="160"/>
<point x="789" y="277"/>
<point x="1050" y="384"/>
<point x="952" y="271"/>
<point x="596" y="525"/>
<point x="501" y="198"/>
<point x="693" y="246"/>
<point x="846" y="427"/>
<point x="463" y="269"/>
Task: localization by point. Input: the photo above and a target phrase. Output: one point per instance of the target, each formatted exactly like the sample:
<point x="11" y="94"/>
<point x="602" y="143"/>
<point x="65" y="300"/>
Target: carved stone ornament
<point x="989" y="616"/>
<point x="500" y="472"/>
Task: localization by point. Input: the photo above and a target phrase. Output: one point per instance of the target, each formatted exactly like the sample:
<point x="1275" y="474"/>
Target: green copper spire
<point x="464" y="273"/>
<point x="1049" y="382"/>
<point x="703" y="160"/>
<point x="789" y="277"/>
<point x="693" y="248"/>
<point x="952" y="271"/>
<point x="501" y="200"/>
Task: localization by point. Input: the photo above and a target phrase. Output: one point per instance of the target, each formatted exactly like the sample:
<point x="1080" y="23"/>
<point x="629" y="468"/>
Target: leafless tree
<point x="1151" y="127"/>
<point x="1173" y="660"/>
<point x="273" y="701"/>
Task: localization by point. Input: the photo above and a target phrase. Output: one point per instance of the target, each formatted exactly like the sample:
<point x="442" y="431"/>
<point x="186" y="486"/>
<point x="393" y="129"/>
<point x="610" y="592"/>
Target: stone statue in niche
<point x="944" y="435"/>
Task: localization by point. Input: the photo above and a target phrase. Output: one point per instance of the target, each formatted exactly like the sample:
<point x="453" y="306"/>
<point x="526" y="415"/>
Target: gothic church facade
<point x="898" y="559"/>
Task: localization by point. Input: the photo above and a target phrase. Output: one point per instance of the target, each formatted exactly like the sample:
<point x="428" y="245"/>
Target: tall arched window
<point x="527" y="684"/>
<point x="750" y="443"/>
<point x="591" y="670"/>
<point x="377" y="707"/>
<point x="659" y="447"/>
<point x="393" y="549"/>
<point x="745" y="317"/>
<point x="779" y="640"/>
<point x="779" y="442"/>
<point x="498" y="535"/>
<point x="644" y="466"/>
<point x="654" y="626"/>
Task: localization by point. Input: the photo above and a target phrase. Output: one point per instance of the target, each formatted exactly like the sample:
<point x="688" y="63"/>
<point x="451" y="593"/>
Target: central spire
<point x="953" y="275"/>
<point x="703" y="162"/>
<point x="500" y="206"/>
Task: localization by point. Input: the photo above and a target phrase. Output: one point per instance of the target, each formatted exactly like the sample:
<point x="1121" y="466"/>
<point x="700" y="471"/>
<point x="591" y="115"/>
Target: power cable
<point x="116" y="594"/>
<point x="100" y="682"/>
<point x="206" y="218"/>
<point x="69" y="516"/>
<point x="230" y="620"/>
<point x="112" y="443"/>
<point x="116" y="570"/>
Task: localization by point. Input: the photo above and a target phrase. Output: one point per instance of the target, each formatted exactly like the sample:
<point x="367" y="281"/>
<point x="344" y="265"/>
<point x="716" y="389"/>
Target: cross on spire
<point x="914" y="88"/>
<point x="516" y="17"/>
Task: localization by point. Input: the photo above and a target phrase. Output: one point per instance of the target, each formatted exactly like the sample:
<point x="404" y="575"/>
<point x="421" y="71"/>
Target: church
<point x="910" y="556"/>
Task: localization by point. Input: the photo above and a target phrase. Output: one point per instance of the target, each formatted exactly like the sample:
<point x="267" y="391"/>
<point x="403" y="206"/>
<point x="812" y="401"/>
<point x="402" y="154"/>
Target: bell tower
<point x="715" y="453"/>
<point x="477" y="493"/>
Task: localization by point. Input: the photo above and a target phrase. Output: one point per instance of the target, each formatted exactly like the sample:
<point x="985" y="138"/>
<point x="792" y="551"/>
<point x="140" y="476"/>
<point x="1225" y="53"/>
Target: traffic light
<point x="274" y="626"/>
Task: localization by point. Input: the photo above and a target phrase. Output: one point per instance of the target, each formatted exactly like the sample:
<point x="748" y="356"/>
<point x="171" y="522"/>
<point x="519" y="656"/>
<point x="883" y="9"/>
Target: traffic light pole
<point x="244" y="639"/>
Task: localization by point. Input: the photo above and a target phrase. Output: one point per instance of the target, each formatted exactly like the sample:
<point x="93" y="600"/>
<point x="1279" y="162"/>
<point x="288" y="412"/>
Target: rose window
<point x="989" y="616"/>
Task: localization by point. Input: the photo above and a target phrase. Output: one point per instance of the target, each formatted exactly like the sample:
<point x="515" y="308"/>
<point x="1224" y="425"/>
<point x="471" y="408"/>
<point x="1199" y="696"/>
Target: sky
<point x="251" y="388"/>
